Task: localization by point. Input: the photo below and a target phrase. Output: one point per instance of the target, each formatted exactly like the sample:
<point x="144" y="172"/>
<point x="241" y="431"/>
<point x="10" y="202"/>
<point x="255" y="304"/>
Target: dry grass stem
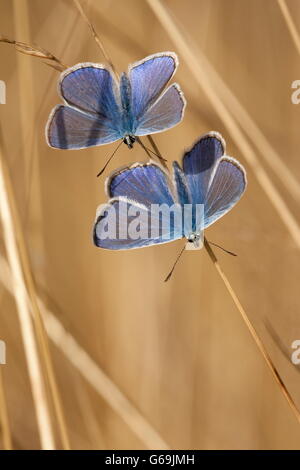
<point x="36" y="51"/>
<point x="20" y="293"/>
<point x="95" y="36"/>
<point x="290" y="23"/>
<point x="4" y="421"/>
<point x="253" y="332"/>
<point x="27" y="99"/>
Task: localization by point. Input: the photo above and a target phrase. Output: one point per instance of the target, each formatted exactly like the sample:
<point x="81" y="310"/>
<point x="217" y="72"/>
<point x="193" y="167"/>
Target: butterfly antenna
<point x="147" y="150"/>
<point x="221" y="248"/>
<point x="114" y="152"/>
<point x="174" y="265"/>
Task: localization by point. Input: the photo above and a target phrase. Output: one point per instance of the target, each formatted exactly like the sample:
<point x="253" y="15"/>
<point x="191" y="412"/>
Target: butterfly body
<point x="99" y="109"/>
<point x="128" y="130"/>
<point x="129" y="140"/>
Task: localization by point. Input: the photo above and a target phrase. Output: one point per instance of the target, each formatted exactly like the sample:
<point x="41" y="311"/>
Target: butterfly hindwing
<point x="165" y="113"/>
<point x="226" y="188"/>
<point x="143" y="187"/>
<point x="69" y="128"/>
<point x="133" y="225"/>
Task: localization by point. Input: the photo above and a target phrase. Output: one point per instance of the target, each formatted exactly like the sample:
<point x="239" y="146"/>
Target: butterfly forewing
<point x="199" y="162"/>
<point x="91" y="114"/>
<point x="145" y="183"/>
<point x="91" y="88"/>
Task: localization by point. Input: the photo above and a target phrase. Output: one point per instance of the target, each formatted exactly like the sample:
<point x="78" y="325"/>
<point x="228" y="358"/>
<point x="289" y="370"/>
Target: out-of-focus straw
<point x="4" y="420"/>
<point x="11" y="235"/>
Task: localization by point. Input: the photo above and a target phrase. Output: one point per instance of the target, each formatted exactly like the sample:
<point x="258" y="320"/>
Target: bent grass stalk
<point x="35" y="51"/>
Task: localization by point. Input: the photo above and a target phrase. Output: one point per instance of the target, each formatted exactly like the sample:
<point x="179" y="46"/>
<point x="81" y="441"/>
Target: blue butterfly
<point x="98" y="109"/>
<point x="207" y="177"/>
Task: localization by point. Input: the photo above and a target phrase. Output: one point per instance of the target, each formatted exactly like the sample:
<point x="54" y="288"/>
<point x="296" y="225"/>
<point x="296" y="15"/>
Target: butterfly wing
<point x="91" y="88"/>
<point x="138" y="188"/>
<point x="92" y="113"/>
<point x="70" y="129"/>
<point x="199" y="163"/>
<point x="132" y="226"/>
<point x="227" y="186"/>
<point x="148" y="78"/>
<point x="165" y="113"/>
<point x="146" y="183"/>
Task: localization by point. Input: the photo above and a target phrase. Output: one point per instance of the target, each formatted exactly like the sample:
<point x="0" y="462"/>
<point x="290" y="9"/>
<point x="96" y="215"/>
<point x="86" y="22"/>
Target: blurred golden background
<point x="140" y="363"/>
